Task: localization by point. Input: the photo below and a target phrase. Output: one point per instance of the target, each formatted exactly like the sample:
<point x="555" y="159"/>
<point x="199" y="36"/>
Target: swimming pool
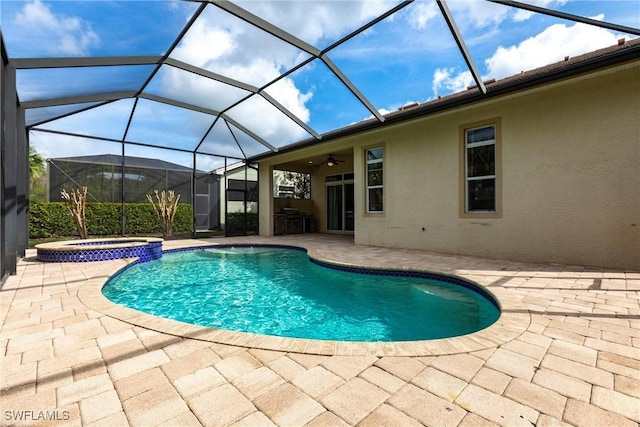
<point x="281" y="291"/>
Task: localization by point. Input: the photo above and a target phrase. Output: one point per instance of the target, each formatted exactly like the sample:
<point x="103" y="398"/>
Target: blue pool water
<point x="279" y="291"/>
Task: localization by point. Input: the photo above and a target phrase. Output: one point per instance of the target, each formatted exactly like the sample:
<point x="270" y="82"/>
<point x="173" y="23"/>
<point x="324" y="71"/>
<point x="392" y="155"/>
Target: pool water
<point x="276" y="291"/>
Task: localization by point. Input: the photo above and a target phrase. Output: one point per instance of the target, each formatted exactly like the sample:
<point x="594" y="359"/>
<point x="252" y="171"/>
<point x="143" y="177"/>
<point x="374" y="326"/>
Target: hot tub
<point x="144" y="248"/>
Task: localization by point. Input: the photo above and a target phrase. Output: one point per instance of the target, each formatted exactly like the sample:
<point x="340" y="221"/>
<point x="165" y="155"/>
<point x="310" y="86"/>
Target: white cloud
<point x="522" y="15"/>
<point x="52" y="146"/>
<point x="317" y="21"/>
<point x="229" y="47"/>
<point x="421" y="13"/>
<point x="225" y="45"/>
<point x="551" y="45"/>
<point x="475" y="14"/>
<point x="261" y="118"/>
<point x="218" y="41"/>
<point x="478" y="14"/>
<point x="451" y="79"/>
<point x="291" y="98"/>
<point x="60" y="34"/>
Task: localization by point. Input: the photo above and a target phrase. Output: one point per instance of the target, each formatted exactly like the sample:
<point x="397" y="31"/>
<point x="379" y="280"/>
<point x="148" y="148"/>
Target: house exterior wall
<point x="569" y="175"/>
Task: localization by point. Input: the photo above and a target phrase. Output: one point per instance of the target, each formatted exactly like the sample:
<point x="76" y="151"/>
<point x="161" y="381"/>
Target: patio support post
<point x="193" y="196"/>
<point x="122" y="210"/>
<point x="22" y="183"/>
<point x="9" y="140"/>
<point x="265" y="199"/>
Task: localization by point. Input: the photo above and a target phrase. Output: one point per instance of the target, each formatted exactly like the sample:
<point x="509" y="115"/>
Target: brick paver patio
<point x="566" y="352"/>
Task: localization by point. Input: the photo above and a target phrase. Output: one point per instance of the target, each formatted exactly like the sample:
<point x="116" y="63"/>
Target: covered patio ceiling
<point x="241" y="79"/>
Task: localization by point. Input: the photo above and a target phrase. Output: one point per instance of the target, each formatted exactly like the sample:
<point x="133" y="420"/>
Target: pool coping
<point x="514" y="321"/>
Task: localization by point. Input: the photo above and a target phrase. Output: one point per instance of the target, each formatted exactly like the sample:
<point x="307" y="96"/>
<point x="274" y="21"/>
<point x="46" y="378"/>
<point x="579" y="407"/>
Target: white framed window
<point x="480" y="166"/>
<point x="374" y="180"/>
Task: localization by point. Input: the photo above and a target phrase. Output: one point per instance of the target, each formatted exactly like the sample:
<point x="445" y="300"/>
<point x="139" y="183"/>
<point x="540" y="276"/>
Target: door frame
<point x="343" y="183"/>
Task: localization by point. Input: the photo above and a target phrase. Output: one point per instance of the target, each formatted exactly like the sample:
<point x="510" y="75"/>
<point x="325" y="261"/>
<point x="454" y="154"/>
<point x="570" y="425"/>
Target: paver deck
<point x="565" y="352"/>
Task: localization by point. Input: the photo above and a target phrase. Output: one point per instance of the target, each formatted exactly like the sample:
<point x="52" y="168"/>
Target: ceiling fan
<point x="331" y="161"/>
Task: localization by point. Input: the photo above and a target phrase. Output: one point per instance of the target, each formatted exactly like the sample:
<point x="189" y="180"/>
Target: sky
<point x="407" y="58"/>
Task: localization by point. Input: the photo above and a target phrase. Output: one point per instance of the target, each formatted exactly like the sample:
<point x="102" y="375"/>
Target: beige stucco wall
<point x="570" y="177"/>
<point x="265" y="199"/>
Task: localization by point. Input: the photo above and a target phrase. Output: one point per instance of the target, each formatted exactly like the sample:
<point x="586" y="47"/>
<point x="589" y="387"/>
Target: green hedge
<point x="51" y="219"/>
<point x="236" y="221"/>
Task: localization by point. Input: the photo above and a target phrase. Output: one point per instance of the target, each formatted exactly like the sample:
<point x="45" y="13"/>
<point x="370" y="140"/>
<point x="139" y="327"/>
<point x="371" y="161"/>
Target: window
<point x="481" y="182"/>
<point x="374" y="178"/>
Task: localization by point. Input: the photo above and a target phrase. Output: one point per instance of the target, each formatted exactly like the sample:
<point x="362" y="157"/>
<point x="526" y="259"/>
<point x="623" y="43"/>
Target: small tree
<point x="76" y="202"/>
<point x="37" y="177"/>
<point x="36" y="164"/>
<point x="165" y="206"/>
<point x="301" y="184"/>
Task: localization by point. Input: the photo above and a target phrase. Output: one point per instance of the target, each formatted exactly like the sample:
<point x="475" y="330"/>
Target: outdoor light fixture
<point x="331" y="161"/>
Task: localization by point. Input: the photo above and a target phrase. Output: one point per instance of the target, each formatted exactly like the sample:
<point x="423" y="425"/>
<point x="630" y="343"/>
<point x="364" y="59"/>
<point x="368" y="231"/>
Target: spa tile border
<point x="92" y="250"/>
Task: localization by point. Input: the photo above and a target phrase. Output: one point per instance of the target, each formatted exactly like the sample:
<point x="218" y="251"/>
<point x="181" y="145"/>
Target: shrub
<point x="235" y="222"/>
<point x="51" y="219"/>
<point x="104" y="218"/>
<point x="183" y="220"/>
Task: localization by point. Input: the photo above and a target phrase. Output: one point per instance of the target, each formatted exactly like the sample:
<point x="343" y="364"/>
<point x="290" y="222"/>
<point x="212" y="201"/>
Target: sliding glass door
<point x="340" y="202"/>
